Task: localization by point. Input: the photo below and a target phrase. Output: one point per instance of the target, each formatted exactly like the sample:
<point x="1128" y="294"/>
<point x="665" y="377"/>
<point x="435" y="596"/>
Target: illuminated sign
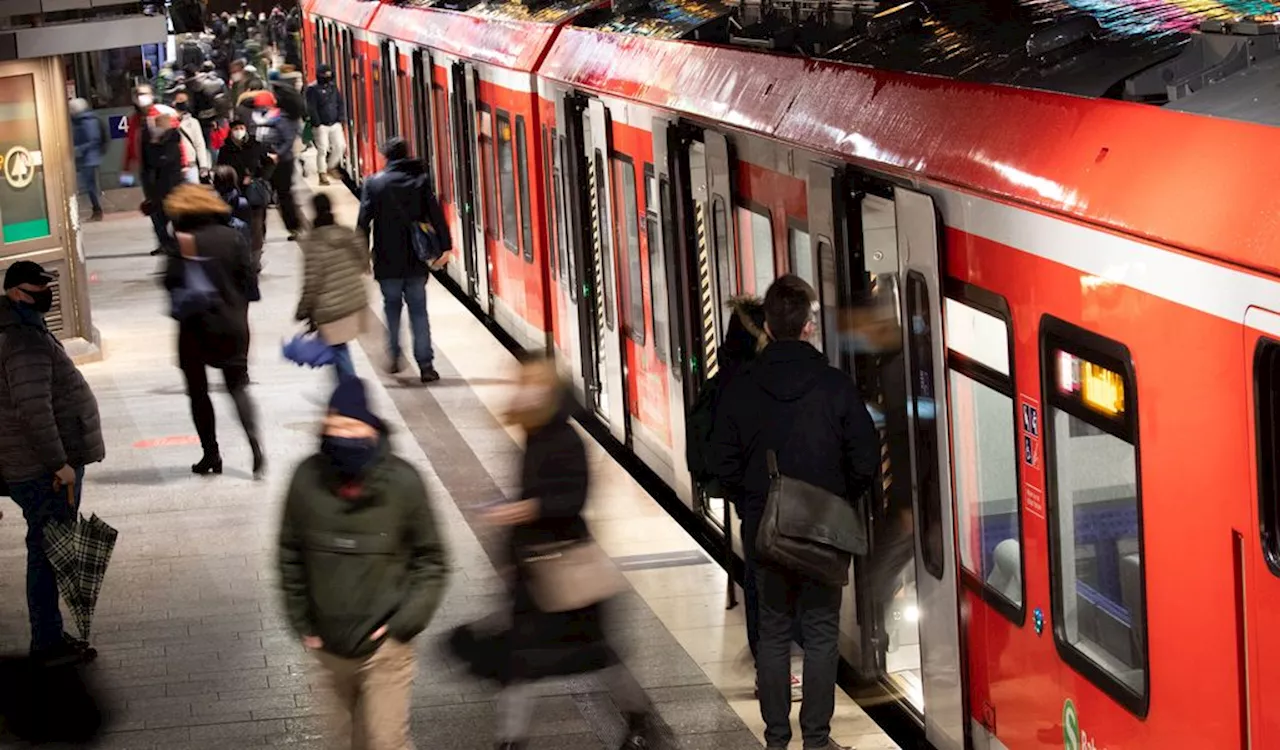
<point x="19" y="167"/>
<point x="1093" y="385"/>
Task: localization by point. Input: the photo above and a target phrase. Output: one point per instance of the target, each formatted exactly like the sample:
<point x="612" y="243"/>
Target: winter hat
<point x="349" y="400"/>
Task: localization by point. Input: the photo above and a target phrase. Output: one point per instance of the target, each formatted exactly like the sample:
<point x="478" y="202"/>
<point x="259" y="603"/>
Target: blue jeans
<point x="40" y="504"/>
<point x="343" y="367"/>
<point x="412" y="292"/>
<point x="88" y="179"/>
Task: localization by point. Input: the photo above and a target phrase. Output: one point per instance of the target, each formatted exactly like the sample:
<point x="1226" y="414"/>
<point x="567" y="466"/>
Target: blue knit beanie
<point x="349" y="400"/>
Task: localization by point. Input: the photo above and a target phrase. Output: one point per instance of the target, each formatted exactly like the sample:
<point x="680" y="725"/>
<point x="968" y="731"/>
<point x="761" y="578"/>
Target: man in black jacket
<point x="49" y="432"/>
<point x="327" y="110"/>
<point x="791" y="401"/>
<point x="393" y="202"/>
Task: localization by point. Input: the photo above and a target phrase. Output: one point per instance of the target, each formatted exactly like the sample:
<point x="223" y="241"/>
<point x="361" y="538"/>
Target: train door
<point x="610" y="388"/>
<point x="567" y="172"/>
<point x="420" y="83"/>
<point x="666" y="269"/>
<point x="465" y="145"/>
<point x="1257" y="549"/>
<point x="937" y="585"/>
<point x="353" y="93"/>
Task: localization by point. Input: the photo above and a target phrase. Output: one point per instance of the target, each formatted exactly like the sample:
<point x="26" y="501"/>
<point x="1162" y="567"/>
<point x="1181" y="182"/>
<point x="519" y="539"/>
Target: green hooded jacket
<point x="350" y="566"/>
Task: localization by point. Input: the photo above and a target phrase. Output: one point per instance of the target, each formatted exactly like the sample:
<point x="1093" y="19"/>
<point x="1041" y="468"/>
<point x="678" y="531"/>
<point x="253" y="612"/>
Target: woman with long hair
<point x="212" y="274"/>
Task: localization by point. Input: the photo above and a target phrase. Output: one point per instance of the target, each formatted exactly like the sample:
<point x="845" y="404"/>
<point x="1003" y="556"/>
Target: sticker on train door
<point x="1030" y="432"/>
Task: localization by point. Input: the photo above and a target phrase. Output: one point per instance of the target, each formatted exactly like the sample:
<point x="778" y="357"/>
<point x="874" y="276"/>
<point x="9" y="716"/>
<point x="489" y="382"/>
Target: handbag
<point x="567" y="576"/>
<point x="426" y="243"/>
<point x="809" y="530"/>
<point x="258" y="193"/>
<point x="197" y="294"/>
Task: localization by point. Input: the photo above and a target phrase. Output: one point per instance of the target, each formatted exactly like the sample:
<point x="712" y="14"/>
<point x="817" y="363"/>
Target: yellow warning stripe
<point x="710" y="343"/>
<point x="597" y="251"/>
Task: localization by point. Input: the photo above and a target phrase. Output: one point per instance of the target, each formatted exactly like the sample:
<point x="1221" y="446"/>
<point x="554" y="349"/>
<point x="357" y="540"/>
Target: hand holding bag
<point x="566" y="576"/>
<point x="808" y="530"/>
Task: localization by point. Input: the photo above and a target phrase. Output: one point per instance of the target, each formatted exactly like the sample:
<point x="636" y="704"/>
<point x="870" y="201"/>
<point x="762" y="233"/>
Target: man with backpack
<point x="790" y="402"/>
<point x="394" y="202"/>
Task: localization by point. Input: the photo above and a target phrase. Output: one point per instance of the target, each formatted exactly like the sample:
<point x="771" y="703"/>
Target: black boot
<point x="259" y="460"/>
<point x="211" y="463"/>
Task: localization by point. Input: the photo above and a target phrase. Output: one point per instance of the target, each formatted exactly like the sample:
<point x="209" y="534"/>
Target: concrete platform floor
<point x="194" y="650"/>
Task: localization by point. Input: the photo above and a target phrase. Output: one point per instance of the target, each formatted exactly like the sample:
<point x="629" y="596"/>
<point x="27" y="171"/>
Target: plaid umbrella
<point x="79" y="552"/>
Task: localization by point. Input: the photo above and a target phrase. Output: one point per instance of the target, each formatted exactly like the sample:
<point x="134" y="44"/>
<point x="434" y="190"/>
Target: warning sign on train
<point x="19" y="167"/>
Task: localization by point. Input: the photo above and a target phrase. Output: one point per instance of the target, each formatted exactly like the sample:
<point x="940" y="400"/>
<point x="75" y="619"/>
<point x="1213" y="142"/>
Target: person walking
<point x="791" y="402"/>
<point x="542" y="642"/>
<point x="278" y="132"/>
<point x="196" y="150"/>
<point x="155" y="154"/>
<point x="249" y="159"/>
<point x="219" y="336"/>
<point x="363" y="567"/>
<point x="50" y="431"/>
<point x="89" y="135"/>
<point x="327" y="111"/>
<point x="393" y="202"/>
<point x="333" y="300"/>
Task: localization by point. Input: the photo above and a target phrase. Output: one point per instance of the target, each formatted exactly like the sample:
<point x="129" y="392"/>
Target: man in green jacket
<point x="363" y="568"/>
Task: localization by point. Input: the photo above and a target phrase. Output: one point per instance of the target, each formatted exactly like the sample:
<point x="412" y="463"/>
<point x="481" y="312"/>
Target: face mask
<point x="180" y="106"/>
<point x="350" y="457"/>
<point x="145" y="101"/>
<point x="237" y="76"/>
<point x="326" y="77"/>
<point x="41" y="302"/>
<point x="239" y="135"/>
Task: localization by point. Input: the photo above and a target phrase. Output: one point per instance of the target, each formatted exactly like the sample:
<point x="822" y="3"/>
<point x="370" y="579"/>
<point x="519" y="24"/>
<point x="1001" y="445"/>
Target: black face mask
<point x="350" y="457"/>
<point x="41" y="302"/>
<point x="181" y="106"/>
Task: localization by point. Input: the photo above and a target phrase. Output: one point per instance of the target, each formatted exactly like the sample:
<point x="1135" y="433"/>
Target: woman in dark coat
<point x="219" y="336"/>
<point x="253" y="166"/>
<point x="554" y="480"/>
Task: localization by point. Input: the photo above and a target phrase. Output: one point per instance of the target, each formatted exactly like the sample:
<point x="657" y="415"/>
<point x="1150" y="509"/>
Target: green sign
<point x="1070" y="726"/>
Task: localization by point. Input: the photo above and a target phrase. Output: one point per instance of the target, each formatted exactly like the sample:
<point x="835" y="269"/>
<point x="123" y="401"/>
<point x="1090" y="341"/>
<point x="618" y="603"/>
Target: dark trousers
<point x="40" y="504"/>
<point x="160" y="224"/>
<point x="257" y="235"/>
<point x="282" y="181"/>
<point x="750" y="588"/>
<point x="237" y="380"/>
<point x="784" y="599"/>
<point x="87" y="177"/>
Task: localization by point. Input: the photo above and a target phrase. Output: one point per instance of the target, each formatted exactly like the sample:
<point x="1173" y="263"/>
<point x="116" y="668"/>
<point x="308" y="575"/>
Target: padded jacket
<point x="335" y="261"/>
<point x="351" y="565"/>
<point x="391" y="202"/>
<point x="48" y="414"/>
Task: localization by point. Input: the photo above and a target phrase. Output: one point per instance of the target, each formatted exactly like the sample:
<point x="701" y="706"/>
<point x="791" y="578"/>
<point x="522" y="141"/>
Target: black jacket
<point x="219" y="337"/>
<point x="324" y="101"/>
<point x="162" y="165"/>
<point x="393" y="200"/>
<point x="289" y="100"/>
<point x="792" y="401"/>
<point x="248" y="158"/>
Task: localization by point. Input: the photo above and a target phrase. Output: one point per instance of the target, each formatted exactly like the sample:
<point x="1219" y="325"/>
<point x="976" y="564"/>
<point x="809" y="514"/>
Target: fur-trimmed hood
<point x="189" y="200"/>
<point x="750" y="313"/>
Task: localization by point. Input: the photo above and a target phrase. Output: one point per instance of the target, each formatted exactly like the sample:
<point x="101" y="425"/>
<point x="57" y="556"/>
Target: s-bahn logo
<point x="19" y="167"/>
<point x="1070" y="726"/>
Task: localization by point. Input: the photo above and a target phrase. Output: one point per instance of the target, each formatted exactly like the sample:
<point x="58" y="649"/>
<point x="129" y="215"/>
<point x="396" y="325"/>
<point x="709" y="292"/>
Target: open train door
<point x="568" y="171"/>
<point x="466" y="142"/>
<point x="936" y="583"/>
<point x="610" y="390"/>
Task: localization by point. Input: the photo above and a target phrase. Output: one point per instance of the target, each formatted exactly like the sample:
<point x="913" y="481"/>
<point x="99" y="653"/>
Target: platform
<point x="194" y="649"/>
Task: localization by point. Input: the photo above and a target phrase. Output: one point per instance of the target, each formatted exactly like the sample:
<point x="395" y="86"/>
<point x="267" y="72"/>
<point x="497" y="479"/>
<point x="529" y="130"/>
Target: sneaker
<point x="429" y="374"/>
<point x="293" y="236"/>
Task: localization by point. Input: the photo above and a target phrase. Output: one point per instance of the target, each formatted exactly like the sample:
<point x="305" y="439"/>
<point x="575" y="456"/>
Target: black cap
<point x="26" y="272"/>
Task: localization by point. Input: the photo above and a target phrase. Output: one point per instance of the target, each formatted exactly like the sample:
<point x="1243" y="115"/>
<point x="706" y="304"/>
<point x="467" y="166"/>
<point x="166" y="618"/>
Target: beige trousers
<point x="372" y="696"/>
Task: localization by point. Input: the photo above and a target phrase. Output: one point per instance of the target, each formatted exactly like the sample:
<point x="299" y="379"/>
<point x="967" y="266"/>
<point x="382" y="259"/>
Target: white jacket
<point x="193" y="141"/>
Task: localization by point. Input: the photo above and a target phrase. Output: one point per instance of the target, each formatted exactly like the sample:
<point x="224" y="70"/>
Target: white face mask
<point x="145" y="100"/>
<point x="237" y="76"/>
<point x="239" y="135"/>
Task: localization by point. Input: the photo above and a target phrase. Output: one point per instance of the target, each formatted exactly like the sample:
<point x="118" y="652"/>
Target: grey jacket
<point x="48" y="415"/>
<point x="335" y="261"/>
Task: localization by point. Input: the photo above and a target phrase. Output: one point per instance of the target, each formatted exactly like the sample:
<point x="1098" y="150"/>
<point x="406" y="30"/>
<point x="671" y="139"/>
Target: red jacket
<point x="139" y="128"/>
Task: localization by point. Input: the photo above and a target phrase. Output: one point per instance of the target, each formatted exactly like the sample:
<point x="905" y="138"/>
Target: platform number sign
<point x="1070" y="726"/>
<point x="119" y="126"/>
<point x="1030" y="433"/>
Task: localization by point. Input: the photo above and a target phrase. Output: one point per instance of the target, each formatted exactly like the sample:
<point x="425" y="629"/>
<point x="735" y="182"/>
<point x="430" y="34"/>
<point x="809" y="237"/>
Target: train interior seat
<point x="1005" y="577"/>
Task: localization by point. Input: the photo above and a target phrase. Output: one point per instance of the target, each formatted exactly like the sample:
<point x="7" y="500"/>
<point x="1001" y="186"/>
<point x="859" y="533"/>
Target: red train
<point x="1081" y="404"/>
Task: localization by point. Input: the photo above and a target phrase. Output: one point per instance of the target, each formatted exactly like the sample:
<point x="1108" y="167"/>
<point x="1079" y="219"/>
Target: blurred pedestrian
<point x="334" y="300"/>
<point x="363" y="566"/>
<point x="195" y="150"/>
<point x="49" y="431"/>
<point x="546" y="524"/>
<point x="155" y="154"/>
<point x="791" y="403"/>
<point x="394" y="201"/>
<point x="218" y="336"/>
<point x="249" y="159"/>
<point x="327" y="111"/>
<point x="89" y="135"/>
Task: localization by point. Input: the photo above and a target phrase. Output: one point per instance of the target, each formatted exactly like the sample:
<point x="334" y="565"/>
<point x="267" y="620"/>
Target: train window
<point x="723" y="250"/>
<point x="568" y="273"/>
<point x="659" y="317"/>
<point x="548" y="168"/>
<point x="628" y="223"/>
<point x="920" y="343"/>
<point x="1266" y="385"/>
<point x="507" y="182"/>
<point x="758" y="266"/>
<point x="605" y="261"/>
<point x="316" y="43"/>
<point x="985" y="455"/>
<point x="526" y="218"/>
<point x="668" y="248"/>
<point x="379" y="117"/>
<point x="444" y="165"/>
<point x="1094" y="509"/>
<point x="358" y="93"/>
<point x="486" y="168"/>
<point x="802" y="256"/>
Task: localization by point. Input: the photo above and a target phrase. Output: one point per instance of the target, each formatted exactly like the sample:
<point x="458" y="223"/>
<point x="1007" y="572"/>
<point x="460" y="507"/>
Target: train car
<point x="1074" y="532"/>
